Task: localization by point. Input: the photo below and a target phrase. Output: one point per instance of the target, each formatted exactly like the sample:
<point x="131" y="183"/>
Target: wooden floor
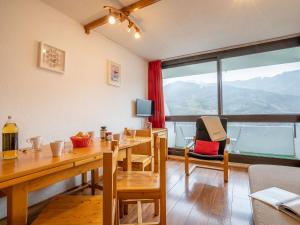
<point x="200" y="199"/>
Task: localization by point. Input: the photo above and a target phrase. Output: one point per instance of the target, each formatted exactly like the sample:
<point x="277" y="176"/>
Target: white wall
<point x="56" y="106"/>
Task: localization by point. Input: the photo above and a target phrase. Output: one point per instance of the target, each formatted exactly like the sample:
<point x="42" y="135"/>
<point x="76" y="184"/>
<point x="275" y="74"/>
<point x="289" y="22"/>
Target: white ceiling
<point x="172" y="28"/>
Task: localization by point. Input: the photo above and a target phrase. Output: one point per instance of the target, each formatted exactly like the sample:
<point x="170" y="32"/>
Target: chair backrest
<point x="126" y="131"/>
<point x="140" y="133"/>
<point x="110" y="160"/>
<point x="144" y="133"/>
<point x="142" y="149"/>
<point x="202" y="134"/>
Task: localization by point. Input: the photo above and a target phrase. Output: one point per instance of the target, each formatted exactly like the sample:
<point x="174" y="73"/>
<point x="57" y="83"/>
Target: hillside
<point x="274" y="95"/>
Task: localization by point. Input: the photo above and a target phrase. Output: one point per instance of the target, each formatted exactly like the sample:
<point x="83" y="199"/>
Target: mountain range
<point x="279" y="94"/>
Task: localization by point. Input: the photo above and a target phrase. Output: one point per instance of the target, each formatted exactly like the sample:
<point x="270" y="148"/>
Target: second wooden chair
<point x="141" y="158"/>
<point x="139" y="186"/>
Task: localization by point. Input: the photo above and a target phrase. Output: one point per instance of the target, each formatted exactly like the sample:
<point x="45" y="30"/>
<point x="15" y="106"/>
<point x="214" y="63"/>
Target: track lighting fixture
<point x="116" y="14"/>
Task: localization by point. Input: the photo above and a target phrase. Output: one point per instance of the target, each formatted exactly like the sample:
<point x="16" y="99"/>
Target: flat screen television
<point x="144" y="107"/>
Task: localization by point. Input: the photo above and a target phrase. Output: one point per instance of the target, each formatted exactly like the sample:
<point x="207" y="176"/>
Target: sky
<point x="242" y="74"/>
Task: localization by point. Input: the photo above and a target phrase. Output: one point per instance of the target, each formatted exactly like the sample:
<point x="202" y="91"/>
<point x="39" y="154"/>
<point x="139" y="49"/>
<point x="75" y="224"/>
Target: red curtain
<point x="155" y="93"/>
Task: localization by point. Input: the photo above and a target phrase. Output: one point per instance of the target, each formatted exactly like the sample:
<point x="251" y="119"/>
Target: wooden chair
<point x="141" y="157"/>
<point x="202" y="134"/>
<point x="136" y="187"/>
<point x="83" y="210"/>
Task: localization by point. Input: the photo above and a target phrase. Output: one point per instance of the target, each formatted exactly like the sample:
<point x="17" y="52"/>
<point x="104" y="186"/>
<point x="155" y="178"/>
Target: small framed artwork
<point x="51" y="58"/>
<point x="113" y="73"/>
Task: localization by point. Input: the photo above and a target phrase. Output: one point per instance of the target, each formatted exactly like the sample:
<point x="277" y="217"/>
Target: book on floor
<point x="280" y="199"/>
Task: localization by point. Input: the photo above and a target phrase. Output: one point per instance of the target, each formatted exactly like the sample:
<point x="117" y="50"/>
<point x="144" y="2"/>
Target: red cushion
<point x="207" y="147"/>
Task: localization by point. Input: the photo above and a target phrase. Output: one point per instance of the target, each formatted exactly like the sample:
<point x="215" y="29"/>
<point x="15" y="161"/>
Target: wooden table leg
<point x="95" y="180"/>
<point x="17" y="204"/>
<point x="84" y="178"/>
<point x="156" y="207"/>
<point x="128" y="159"/>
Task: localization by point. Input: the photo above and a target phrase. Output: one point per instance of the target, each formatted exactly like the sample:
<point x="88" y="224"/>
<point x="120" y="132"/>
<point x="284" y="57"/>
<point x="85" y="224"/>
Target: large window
<point x="257" y="88"/>
<point x="191" y="90"/>
<point x="264" y="83"/>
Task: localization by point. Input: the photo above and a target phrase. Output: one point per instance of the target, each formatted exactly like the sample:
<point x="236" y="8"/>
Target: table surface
<point x="32" y="161"/>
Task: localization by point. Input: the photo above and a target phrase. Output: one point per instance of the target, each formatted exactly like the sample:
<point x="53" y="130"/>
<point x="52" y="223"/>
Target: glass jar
<point x="103" y="133"/>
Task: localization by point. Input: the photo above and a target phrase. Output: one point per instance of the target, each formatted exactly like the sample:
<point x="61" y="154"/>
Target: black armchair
<point x="202" y="134"/>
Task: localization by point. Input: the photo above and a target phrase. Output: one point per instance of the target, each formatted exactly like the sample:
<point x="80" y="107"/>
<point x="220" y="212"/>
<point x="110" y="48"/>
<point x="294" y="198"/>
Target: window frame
<point x="235" y="51"/>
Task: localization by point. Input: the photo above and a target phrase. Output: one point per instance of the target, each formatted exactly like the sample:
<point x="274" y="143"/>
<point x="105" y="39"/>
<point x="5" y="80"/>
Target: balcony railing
<point x="278" y="140"/>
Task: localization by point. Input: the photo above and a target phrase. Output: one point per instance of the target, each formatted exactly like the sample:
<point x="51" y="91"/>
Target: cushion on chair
<point x="205" y="157"/>
<point x="206" y="147"/>
<point x="202" y="134"/>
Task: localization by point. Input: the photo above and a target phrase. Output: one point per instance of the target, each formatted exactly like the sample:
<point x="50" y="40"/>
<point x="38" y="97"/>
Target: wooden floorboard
<point x="200" y="199"/>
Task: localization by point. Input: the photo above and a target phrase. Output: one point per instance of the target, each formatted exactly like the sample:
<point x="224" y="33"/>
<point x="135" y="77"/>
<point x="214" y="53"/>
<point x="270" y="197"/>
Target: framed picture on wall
<point x="113" y="73"/>
<point x="51" y="58"/>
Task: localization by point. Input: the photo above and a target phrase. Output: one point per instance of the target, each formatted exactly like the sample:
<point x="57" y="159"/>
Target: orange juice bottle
<point x="10" y="140"/>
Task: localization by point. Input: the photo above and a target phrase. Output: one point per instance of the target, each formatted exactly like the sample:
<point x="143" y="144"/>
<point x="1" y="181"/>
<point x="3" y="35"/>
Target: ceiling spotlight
<point x="137" y="35"/>
<point x="111" y="19"/>
<point x="130" y="26"/>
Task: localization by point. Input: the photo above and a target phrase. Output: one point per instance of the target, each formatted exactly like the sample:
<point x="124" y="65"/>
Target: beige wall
<point x="56" y="106"/>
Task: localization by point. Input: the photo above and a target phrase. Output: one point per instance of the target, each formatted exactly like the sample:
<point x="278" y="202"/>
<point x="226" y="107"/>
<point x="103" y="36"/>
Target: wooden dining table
<point x="37" y="169"/>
